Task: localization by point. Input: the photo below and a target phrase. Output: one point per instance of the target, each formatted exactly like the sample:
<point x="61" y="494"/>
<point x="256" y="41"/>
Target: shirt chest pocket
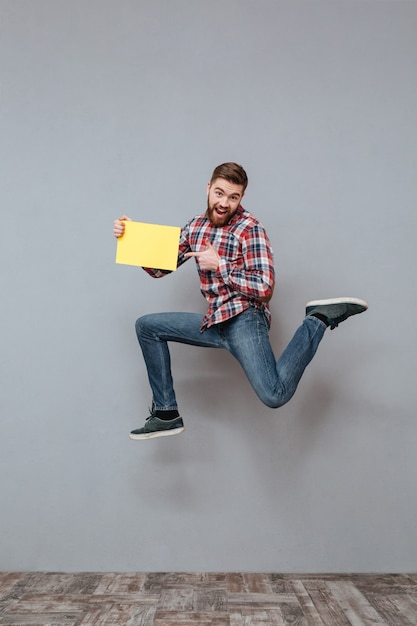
<point x="228" y="246"/>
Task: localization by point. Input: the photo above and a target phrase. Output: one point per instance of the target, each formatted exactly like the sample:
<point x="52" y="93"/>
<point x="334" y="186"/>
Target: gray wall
<point x="126" y="106"/>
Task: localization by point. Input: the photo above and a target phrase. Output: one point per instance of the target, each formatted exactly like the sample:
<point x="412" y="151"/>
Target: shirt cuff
<point x="224" y="270"/>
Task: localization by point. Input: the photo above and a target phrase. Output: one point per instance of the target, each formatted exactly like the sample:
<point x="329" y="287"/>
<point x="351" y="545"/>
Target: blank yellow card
<point x="149" y="245"/>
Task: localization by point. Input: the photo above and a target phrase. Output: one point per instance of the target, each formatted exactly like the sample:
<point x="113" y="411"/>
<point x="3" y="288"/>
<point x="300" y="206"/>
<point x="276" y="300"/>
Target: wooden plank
<point x="130" y="614"/>
<point x="354" y="604"/>
<point x="210" y="598"/>
<point x="293" y="614"/>
<point x="160" y="580"/>
<point x="42" y="619"/>
<point x="260" y="600"/>
<point x="9" y="580"/>
<point x="110" y="583"/>
<point x="306" y="604"/>
<point x="257" y="617"/>
<point x="384" y="583"/>
<point x="331" y="613"/>
<point x="257" y="583"/>
<point x="107" y="614"/>
<point x="176" y="599"/>
<point x="395" y="609"/>
<point x="280" y="583"/>
<point x="191" y="618"/>
<point x="235" y="582"/>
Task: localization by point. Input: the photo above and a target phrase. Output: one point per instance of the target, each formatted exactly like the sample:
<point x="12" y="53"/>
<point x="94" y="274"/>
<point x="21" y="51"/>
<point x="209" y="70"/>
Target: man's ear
<point x="208" y="188"/>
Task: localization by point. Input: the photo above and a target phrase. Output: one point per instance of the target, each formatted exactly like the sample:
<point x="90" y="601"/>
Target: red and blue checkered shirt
<point x="246" y="269"/>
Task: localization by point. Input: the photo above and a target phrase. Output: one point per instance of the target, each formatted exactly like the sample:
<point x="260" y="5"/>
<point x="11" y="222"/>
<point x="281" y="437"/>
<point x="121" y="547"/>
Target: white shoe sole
<point x="158" y="433"/>
<point x="338" y="301"/>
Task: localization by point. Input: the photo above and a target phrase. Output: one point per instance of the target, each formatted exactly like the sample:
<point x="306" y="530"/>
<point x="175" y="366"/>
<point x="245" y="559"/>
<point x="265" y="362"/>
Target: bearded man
<point x="235" y="263"/>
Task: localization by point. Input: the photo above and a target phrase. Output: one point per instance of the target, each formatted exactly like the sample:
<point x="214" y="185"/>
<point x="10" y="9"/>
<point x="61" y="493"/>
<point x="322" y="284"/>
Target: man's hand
<point x="119" y="226"/>
<point x="208" y="258"/>
<point x="267" y="298"/>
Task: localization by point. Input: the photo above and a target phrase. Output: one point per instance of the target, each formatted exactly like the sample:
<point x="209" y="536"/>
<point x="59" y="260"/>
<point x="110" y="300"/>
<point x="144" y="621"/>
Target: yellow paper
<point x="149" y="245"/>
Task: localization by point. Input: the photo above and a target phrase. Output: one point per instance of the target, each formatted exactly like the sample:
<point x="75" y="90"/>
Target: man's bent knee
<point x="143" y="323"/>
<point x="274" y="401"/>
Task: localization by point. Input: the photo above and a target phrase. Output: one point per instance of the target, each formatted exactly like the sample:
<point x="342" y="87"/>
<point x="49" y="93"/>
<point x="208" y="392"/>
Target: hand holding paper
<point x="146" y="245"/>
<point x="119" y="226"/>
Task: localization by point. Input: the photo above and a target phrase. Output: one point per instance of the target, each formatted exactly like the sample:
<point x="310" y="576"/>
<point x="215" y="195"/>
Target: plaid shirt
<point x="246" y="269"/>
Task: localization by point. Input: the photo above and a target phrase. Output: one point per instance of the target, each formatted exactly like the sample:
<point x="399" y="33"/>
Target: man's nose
<point x="224" y="202"/>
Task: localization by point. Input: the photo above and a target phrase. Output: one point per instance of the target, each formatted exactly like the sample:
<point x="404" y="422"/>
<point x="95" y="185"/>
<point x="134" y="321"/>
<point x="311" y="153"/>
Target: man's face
<point x="223" y="200"/>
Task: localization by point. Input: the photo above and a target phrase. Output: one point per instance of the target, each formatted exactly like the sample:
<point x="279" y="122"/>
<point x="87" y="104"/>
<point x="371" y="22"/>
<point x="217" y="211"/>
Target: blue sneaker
<point x="155" y="427"/>
<point x="336" y="310"/>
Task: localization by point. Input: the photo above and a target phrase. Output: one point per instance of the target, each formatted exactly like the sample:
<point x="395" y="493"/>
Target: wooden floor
<point x="94" y="599"/>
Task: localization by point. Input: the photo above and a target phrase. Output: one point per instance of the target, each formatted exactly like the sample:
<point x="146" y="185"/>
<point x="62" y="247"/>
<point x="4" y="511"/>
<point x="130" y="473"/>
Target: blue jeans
<point x="245" y="336"/>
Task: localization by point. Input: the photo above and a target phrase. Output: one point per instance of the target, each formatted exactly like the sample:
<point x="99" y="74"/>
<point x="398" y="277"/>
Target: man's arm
<point x="268" y="297"/>
<point x="256" y="279"/>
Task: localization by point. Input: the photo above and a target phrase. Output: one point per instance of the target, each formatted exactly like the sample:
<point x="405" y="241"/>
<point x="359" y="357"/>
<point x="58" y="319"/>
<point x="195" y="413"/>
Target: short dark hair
<point x="232" y="172"/>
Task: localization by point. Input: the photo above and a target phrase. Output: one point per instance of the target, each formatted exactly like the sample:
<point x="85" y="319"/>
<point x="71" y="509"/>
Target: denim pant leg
<point x="275" y="382"/>
<point x="153" y="332"/>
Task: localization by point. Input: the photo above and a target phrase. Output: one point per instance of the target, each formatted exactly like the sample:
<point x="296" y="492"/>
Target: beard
<point x="217" y="216"/>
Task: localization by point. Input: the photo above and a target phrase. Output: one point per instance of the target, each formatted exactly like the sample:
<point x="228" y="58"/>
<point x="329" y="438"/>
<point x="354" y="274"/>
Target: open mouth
<point x="218" y="216"/>
<point x="220" y="212"/>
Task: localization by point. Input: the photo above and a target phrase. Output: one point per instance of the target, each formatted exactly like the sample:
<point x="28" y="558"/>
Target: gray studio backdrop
<point x="125" y="106"/>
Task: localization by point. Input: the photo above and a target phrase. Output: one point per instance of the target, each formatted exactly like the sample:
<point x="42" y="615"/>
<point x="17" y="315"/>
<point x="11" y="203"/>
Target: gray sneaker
<point x="336" y="310"/>
<point x="155" y="427"/>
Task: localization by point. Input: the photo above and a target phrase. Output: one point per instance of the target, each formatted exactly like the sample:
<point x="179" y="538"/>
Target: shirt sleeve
<point x="255" y="276"/>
